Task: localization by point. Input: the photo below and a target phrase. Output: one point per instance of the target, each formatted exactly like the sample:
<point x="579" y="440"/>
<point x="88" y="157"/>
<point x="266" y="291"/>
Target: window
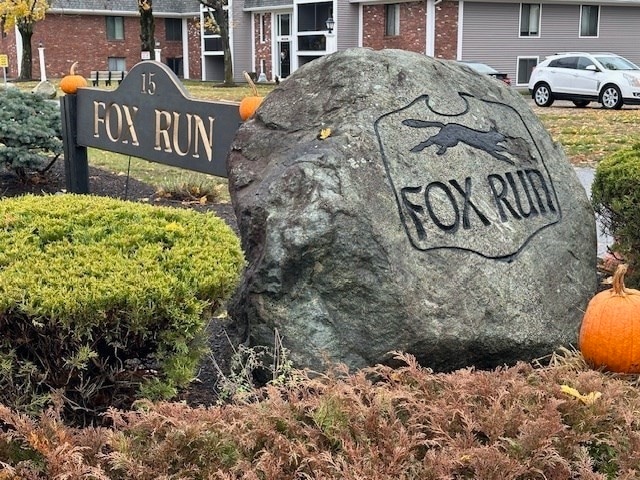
<point x="283" y="24"/>
<point x="263" y="28"/>
<point x="530" y="20"/>
<point x="589" y="16"/>
<point x="175" y="64"/>
<point x="117" y="63"/>
<point x="565" y="62"/>
<point x="392" y="20"/>
<point x="525" y="67"/>
<point x="583" y="63"/>
<point x="312" y="17"/>
<point x="209" y="25"/>
<point x="173" y="29"/>
<point x="312" y="42"/>
<point x="115" y="28"/>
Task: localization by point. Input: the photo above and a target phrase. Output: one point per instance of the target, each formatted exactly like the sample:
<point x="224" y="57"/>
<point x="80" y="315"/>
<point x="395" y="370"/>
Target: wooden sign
<point x="4" y="60"/>
<point x="151" y="116"/>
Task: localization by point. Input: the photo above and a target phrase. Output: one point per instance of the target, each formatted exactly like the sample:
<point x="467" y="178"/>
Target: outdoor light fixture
<point x="330" y="23"/>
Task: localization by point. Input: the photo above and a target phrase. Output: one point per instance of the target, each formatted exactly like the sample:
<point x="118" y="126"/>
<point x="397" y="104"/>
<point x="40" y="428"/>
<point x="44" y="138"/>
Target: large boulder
<point x="388" y="201"/>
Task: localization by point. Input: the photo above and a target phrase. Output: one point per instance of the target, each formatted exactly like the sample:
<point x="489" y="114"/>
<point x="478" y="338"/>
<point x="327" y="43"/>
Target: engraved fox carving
<point x="490" y="141"/>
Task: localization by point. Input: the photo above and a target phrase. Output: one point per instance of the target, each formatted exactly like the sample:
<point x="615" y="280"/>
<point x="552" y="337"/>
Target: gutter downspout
<point x="360" y="24"/>
<point x="460" y="28"/>
<point x="185" y="49"/>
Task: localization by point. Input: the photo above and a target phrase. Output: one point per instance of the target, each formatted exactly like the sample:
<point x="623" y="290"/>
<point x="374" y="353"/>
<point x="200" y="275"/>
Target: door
<point x="283" y="45"/>
<point x="587" y="77"/>
<point x="563" y="74"/>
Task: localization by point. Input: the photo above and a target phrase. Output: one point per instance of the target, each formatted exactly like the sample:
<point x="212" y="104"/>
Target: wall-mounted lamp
<point x="330" y="23"/>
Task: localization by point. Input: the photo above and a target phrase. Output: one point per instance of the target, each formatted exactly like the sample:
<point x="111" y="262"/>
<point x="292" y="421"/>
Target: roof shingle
<point x="159" y="6"/>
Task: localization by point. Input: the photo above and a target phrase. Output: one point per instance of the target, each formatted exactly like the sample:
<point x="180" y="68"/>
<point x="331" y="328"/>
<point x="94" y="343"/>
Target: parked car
<point x="583" y="77"/>
<point x="485" y="69"/>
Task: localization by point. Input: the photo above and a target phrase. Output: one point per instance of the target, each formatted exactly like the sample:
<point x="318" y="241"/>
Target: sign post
<point x="4" y="63"/>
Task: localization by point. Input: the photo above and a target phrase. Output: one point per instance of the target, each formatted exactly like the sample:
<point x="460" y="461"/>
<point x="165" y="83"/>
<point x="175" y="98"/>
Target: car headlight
<point x="632" y="79"/>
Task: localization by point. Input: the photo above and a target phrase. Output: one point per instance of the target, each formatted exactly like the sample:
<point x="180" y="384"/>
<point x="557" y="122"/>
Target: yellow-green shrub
<point x="103" y="301"/>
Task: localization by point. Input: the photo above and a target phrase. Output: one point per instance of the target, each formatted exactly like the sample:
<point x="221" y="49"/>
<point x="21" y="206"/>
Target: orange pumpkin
<point x="249" y="105"/>
<point x="611" y="326"/>
<point x="70" y="83"/>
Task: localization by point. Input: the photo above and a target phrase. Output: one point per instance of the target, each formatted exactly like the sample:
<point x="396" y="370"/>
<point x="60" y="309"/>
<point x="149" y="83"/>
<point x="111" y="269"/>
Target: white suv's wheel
<point x="542" y="95"/>
<point x="611" y="98"/>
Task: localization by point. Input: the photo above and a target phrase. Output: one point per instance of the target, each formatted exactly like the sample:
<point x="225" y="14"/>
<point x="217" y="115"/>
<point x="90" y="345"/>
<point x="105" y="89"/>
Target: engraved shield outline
<point x="403" y="216"/>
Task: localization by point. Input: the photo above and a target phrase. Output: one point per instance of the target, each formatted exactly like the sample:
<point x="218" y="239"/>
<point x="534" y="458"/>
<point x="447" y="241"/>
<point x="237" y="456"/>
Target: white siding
<point x="242" y="46"/>
<point x="490" y="33"/>
<point x="348" y="30"/>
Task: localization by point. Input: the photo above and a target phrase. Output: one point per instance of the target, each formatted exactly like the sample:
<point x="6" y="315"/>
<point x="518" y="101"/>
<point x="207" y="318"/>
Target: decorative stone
<point x="45" y="89"/>
<point x="388" y="201"/>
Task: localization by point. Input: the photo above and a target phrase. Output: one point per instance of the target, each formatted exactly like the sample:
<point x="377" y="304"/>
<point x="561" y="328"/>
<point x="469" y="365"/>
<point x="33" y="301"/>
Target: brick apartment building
<point x="275" y="37"/>
<point x="270" y="36"/>
<point x="105" y="35"/>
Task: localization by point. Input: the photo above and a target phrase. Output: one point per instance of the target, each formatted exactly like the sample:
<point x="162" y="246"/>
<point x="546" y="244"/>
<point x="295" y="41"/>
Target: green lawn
<point x="590" y="134"/>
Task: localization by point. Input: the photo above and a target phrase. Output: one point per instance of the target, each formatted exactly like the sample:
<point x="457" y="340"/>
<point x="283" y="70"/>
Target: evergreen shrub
<point x="30" y="131"/>
<point x="104" y="301"/>
<point x="615" y="195"/>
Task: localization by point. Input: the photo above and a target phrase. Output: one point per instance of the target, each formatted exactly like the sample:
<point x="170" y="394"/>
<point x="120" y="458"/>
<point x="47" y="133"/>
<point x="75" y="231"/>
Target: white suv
<point x="581" y="77"/>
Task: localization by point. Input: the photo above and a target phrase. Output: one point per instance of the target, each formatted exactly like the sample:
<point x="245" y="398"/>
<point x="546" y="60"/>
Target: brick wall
<point x="263" y="49"/>
<point x="412" y="28"/>
<point x="168" y="48"/>
<point x="83" y="38"/>
<point x="195" y="50"/>
<point x="446" y="42"/>
<point x="8" y="47"/>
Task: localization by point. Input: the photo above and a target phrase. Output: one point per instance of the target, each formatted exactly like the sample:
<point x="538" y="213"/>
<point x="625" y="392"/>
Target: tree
<point x="221" y="24"/>
<point x="23" y="14"/>
<point x="147" y="26"/>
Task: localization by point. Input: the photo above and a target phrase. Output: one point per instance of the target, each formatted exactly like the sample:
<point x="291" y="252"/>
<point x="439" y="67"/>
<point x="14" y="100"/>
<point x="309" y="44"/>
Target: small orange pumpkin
<point x="610" y="328"/>
<point x="70" y="83"/>
<point x="249" y="105"/>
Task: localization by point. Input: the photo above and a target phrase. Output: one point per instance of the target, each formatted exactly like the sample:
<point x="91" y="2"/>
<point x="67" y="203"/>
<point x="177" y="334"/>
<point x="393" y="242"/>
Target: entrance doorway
<point x="283" y="44"/>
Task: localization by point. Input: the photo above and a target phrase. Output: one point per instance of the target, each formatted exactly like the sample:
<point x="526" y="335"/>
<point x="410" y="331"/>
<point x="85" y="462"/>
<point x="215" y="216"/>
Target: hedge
<point x="103" y="301"/>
